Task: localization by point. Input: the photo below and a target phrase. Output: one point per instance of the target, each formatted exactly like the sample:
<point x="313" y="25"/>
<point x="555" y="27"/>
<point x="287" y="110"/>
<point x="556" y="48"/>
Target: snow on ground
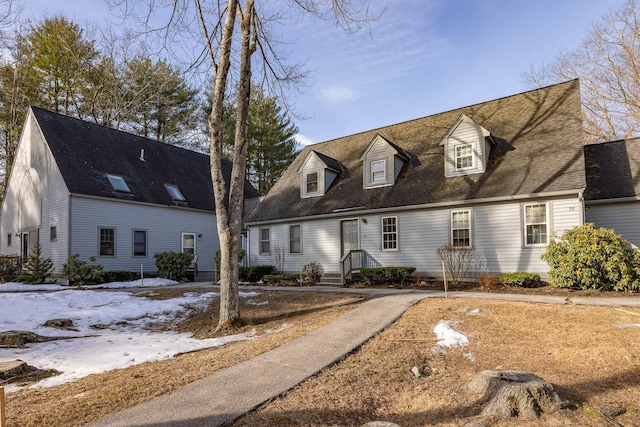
<point x="113" y="344"/>
<point x="146" y="283"/>
<point x="448" y="336"/>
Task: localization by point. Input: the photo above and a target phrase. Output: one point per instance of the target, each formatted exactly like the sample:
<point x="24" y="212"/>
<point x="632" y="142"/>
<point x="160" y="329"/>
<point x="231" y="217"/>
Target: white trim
<point x="133" y="242"/>
<point x="396" y="232"/>
<point x="195" y="241"/>
<point x="372" y="181"/>
<point x="260" y="240"/>
<point x="472" y="155"/>
<point x="576" y="192"/>
<point x="547" y="223"/>
<point x="469" y="211"/>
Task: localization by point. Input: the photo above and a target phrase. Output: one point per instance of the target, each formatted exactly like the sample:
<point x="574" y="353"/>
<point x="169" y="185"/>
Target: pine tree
<point x="38" y="268"/>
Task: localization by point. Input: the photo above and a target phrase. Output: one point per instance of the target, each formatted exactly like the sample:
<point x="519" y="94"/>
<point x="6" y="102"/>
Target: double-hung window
<point x="378" y="171"/>
<point x="464" y="156"/>
<point x="312" y="182"/>
<point x="53" y="233"/>
<point x="140" y="243"/>
<point x="295" y="239"/>
<point x="536" y="224"/>
<point x="107" y="241"/>
<point x="265" y="241"/>
<point x="390" y="233"/>
<point x="461" y="228"/>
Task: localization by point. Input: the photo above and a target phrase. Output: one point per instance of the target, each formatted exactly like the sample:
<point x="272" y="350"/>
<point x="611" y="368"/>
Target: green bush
<point x="38" y="268"/>
<point x="255" y="273"/>
<point x="386" y="274"/>
<point x="312" y="272"/>
<point x="9" y="267"/>
<point x="172" y="265"/>
<point x="120" y="276"/>
<point x="523" y="280"/>
<point x="586" y="257"/>
<point x="82" y="273"/>
<point x="271" y="279"/>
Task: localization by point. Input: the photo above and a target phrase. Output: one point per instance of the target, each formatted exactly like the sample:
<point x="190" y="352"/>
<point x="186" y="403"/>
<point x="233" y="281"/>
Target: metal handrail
<point x="350" y="262"/>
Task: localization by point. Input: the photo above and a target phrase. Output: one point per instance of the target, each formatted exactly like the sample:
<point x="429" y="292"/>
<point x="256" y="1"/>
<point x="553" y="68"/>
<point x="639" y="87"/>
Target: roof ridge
<point x="64" y="116"/>
<point x="567" y="82"/>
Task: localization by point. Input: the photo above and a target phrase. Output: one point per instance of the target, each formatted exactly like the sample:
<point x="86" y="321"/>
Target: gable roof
<point x="330" y="163"/>
<point x="394" y="148"/>
<point x="613" y="170"/>
<point x="86" y="152"/>
<point x="538" y="149"/>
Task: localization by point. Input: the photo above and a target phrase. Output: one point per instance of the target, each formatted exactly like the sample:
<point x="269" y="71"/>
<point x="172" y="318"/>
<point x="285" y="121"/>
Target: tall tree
<point x="165" y="106"/>
<point x="608" y="65"/>
<point x="272" y="146"/>
<point x="238" y="42"/>
<point x="58" y="59"/>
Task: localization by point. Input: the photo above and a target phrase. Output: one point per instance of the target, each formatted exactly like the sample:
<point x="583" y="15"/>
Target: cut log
<point x="516" y="394"/>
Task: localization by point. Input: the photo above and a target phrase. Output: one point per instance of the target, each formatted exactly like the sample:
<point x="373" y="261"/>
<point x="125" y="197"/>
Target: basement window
<point x="175" y="192"/>
<point x="118" y="183"/>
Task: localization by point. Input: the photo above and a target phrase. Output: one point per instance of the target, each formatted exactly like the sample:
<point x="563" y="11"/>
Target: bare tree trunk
<point x="229" y="209"/>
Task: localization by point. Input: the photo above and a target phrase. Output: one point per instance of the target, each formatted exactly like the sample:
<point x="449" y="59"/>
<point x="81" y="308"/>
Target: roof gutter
<point x="617" y="200"/>
<point x="362" y="210"/>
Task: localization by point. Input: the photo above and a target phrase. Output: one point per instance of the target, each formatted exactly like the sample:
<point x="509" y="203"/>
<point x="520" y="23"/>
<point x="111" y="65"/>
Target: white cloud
<point x="337" y="93"/>
<point x="303" y="140"/>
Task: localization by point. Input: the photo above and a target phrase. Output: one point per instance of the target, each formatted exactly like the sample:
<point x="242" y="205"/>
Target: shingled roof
<point x="538" y="148"/>
<point x="613" y="170"/>
<point x="85" y="153"/>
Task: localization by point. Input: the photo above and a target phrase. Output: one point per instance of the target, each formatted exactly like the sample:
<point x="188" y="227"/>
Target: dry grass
<point x="578" y="349"/>
<point x="97" y="396"/>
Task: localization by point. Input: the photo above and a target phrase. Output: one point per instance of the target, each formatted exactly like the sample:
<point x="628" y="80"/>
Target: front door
<point x="350" y="239"/>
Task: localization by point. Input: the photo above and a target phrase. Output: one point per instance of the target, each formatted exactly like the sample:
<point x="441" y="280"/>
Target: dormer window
<point x="464" y="156"/>
<point x="378" y="175"/>
<point x="382" y="163"/>
<point x="118" y="183"/>
<point x="317" y="174"/>
<point x="312" y="182"/>
<point x="467" y="146"/>
<point x="175" y="193"/>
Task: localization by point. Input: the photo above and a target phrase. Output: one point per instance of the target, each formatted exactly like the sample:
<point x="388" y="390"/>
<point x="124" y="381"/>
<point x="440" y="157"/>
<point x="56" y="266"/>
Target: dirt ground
<point x="583" y="351"/>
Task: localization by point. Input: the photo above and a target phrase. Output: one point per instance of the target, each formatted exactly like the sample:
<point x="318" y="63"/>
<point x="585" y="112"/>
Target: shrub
<point x="255" y="273"/>
<point x="272" y="279"/>
<point x="487" y="281"/>
<point x="312" y="272"/>
<point x="458" y="261"/>
<point x="38" y="268"/>
<point x="82" y="273"/>
<point x="386" y="274"/>
<point x="9" y="267"/>
<point x="586" y="257"/>
<point x="218" y="255"/>
<point x="523" y="280"/>
<point x="120" y="276"/>
<point x="172" y="265"/>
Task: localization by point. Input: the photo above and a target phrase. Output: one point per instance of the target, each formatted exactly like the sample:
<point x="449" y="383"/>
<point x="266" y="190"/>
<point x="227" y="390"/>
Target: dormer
<point x="317" y="173"/>
<point x="382" y="162"/>
<point x="466" y="148"/>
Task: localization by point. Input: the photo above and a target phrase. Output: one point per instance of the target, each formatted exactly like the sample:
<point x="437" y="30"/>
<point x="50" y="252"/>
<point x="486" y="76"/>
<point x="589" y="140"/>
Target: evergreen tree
<point x="272" y="146"/>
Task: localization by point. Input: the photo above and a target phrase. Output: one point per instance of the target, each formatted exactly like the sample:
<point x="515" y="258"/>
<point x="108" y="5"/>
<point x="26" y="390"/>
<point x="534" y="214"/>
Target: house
<point x="613" y="187"/>
<point x="77" y="187"/>
<point x="501" y="177"/>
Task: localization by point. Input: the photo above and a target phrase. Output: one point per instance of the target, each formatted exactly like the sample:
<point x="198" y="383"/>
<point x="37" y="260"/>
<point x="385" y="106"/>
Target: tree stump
<point x="516" y="394"/>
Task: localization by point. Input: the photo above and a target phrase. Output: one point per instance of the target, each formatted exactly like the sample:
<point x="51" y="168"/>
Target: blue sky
<point x="422" y="57"/>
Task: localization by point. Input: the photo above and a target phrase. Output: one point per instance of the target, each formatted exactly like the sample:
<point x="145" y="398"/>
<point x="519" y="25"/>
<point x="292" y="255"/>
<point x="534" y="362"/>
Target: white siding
<point x="311" y="165"/>
<point x="164" y="226"/>
<point x="624" y="218"/>
<point x="36" y="199"/>
<point x="497" y="237"/>
<point x="466" y="133"/>
<point x="379" y="150"/>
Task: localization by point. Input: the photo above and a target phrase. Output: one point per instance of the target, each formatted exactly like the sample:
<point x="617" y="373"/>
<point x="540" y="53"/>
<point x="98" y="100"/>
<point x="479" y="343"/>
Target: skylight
<point x="118" y="183"/>
<point x="175" y="193"/>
